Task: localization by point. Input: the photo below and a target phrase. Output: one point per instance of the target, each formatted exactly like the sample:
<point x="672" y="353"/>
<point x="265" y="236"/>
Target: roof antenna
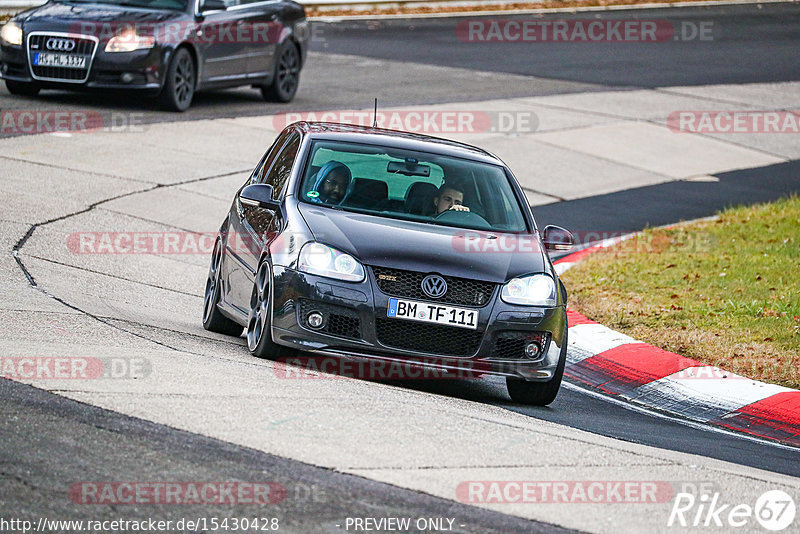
<point x="375" y="114"/>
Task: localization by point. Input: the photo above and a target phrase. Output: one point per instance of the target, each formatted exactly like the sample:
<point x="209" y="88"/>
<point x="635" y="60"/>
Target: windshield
<point x="152" y="4"/>
<point x="418" y="186"/>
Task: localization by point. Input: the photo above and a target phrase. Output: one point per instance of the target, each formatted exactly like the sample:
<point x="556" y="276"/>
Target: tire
<point x="180" y="82"/>
<point x="23" y="88"/>
<point x="259" y="320"/>
<point x="286" y="78"/>
<point x="538" y="393"/>
<point x="213" y="320"/>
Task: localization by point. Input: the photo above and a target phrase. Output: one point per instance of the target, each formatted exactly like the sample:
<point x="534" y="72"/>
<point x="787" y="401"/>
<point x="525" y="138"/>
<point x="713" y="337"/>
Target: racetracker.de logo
<point x="147" y="242"/>
<point x="33" y="121"/>
<point x="136" y="34"/>
<point x="73" y="368"/>
<point x="730" y="122"/>
<point x="329" y="367"/>
<point x="177" y="493"/>
<point x="582" y="31"/>
<point x="488" y="243"/>
<point x="563" y="492"/>
<point x="427" y="121"/>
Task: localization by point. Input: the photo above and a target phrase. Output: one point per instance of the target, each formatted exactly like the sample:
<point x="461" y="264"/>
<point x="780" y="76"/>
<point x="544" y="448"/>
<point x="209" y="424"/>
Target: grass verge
<point x="724" y="292"/>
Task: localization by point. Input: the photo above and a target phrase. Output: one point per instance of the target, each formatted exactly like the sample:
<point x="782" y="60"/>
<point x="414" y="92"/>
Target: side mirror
<point x="213" y="5"/>
<point x="557" y="238"/>
<point x="259" y="196"/>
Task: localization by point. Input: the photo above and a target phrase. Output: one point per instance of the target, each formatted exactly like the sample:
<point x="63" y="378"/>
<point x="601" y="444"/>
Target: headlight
<point x="316" y="258"/>
<point x="535" y="290"/>
<point x="128" y="40"/>
<point x="11" y="34"/>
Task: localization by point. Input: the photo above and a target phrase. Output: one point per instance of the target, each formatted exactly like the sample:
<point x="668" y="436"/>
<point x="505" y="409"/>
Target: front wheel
<point x="259" y="320"/>
<point x="179" y="83"/>
<point x="22" y="88"/>
<point x="286" y="78"/>
<point x="538" y="393"/>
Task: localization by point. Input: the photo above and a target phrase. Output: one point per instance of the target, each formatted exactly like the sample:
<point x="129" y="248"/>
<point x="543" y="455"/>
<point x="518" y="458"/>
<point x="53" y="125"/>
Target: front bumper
<point x="355" y="312"/>
<point x="141" y="70"/>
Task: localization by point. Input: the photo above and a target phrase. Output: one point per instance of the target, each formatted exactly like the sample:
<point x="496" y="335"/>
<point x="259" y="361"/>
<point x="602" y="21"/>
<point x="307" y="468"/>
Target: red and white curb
<point x="618" y="365"/>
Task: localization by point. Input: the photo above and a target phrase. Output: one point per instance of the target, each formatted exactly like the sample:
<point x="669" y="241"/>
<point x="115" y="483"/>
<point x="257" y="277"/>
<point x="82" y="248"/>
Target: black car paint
<point x="210" y="57"/>
<point x="276" y="235"/>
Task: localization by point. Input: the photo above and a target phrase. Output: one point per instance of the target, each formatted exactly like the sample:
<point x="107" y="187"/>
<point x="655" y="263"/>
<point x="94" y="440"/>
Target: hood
<point x="480" y="255"/>
<point x="67" y="15"/>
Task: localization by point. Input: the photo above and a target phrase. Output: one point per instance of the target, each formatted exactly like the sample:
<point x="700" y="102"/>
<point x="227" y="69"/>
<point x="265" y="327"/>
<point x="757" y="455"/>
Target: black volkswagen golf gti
<point x="369" y="243"/>
<point x="169" y="48"/>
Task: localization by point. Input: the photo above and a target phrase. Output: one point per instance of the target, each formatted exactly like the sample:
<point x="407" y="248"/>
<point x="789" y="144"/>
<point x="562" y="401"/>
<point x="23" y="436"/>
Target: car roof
<point x="395" y="139"/>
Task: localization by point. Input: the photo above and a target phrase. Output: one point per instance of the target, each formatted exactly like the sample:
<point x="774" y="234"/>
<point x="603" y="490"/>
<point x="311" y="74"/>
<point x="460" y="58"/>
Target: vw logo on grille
<point x="61" y="45"/>
<point x="434" y="286"/>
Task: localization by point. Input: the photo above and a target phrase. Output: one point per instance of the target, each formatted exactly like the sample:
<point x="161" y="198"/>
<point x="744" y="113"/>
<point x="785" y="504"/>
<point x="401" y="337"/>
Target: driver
<point x="332" y="182"/>
<point x="449" y="197"/>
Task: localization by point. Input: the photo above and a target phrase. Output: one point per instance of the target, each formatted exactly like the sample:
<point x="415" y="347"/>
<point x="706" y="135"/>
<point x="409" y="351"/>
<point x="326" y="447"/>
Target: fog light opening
<point x="126" y="77"/>
<point x="533" y="349"/>
<point x="315" y="319"/>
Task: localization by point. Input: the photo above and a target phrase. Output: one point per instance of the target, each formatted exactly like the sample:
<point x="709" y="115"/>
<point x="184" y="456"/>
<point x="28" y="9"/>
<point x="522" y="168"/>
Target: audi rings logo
<point x="434" y="286"/>
<point x="61" y="45"/>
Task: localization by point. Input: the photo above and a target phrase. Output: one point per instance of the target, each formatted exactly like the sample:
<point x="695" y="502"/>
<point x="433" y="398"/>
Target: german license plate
<point x="44" y="59"/>
<point x="432" y="313"/>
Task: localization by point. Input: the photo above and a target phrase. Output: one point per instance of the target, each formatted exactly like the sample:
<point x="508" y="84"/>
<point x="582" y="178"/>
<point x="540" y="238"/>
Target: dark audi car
<point x="369" y="243"/>
<point x="169" y="48"/>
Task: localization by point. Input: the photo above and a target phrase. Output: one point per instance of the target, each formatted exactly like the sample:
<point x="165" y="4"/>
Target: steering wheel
<point x="467" y="218"/>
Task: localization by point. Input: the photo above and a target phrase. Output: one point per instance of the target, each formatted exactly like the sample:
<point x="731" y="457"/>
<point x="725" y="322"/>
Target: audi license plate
<point x="46" y="59"/>
<point x="432" y="313"/>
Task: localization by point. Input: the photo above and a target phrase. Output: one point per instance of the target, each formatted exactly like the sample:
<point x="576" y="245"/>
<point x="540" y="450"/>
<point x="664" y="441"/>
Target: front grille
<point x="434" y="339"/>
<point x="338" y="320"/>
<point x="510" y="345"/>
<point x="83" y="47"/>
<point x="408" y="284"/>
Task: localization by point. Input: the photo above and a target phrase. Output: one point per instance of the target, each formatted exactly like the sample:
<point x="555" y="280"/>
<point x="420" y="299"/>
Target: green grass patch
<point x="725" y="292"/>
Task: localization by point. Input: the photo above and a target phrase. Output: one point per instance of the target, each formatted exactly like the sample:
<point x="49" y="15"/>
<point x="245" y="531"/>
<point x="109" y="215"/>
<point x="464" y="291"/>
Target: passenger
<point x="449" y="197"/>
<point x="332" y="183"/>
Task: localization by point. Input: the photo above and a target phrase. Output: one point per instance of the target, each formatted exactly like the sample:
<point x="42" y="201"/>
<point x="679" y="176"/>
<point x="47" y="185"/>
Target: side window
<point x="259" y="175"/>
<point x="278" y="175"/>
